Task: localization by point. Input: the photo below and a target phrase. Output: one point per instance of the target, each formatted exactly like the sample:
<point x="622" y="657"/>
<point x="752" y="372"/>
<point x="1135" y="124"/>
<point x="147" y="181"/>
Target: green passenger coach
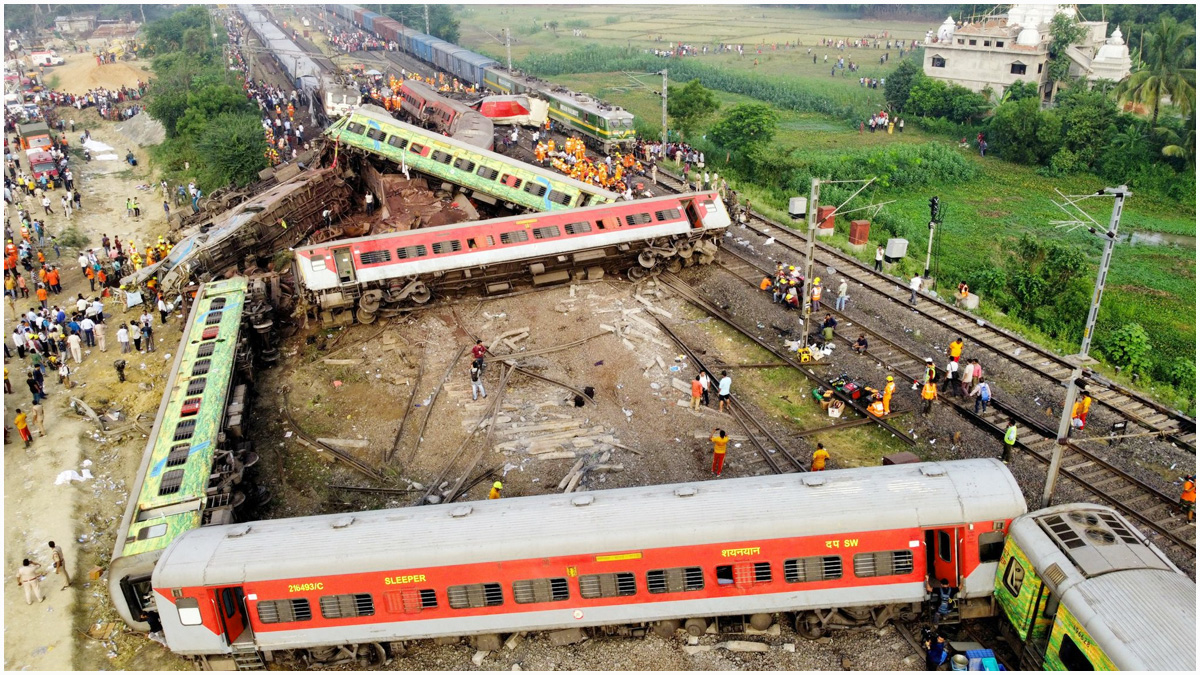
<point x="186" y="475"/>
<point x="1081" y="589"/>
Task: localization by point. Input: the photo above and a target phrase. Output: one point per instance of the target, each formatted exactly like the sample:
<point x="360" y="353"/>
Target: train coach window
<point x="206" y="349"/>
<point x="548" y="232"/>
<point x="347" y="605"/>
<point x="540" y="590"/>
<point x="464" y="164"/>
<point x="883" y="564"/>
<point x="592" y="586"/>
<point x="514" y="237"/>
<point x="1072" y="656"/>
<point x="535" y="189"/>
<point x="578" y="228"/>
<point x="410" y="601"/>
<point x="372" y="257"/>
<point x="675" y="580"/>
<point x="170" y="483"/>
<point x="355" y="128"/>
<point x="417" y="251"/>
<point x="217" y="303"/>
<point x="744" y="574"/>
<point x="813" y="568"/>
<point x="196" y="386"/>
<point x="284" y="611"/>
<point x="418" y="149"/>
<point x="637" y="218"/>
<point x="190" y="406"/>
<point x="442" y="157"/>
<point x="475" y="595"/>
<point x="179" y="455"/>
<point x="944" y="545"/>
<point x="610" y="223"/>
<point x="201" y="367"/>
<point x="451" y="246"/>
<point x="991" y="546"/>
<point x="184" y="430"/>
<point x="376" y="134"/>
<point x="397" y="142"/>
<point x="666" y="214"/>
<point x="560" y="198"/>
<point x="213" y="318"/>
<point x="487" y="173"/>
<point x="189" y="611"/>
<point x="511" y="181"/>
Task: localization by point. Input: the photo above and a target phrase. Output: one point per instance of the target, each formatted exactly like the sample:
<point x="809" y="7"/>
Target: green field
<point x="1151" y="284"/>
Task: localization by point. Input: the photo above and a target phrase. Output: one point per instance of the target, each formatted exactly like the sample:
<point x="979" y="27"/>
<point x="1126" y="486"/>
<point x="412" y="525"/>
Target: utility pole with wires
<point x="427" y="19"/>
<point x="664" y="109"/>
<point x="810" y="245"/>
<point x="1080" y="218"/>
<point x="508" y="47"/>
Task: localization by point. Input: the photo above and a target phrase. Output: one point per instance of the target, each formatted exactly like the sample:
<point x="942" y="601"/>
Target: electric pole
<point x="810" y="244"/>
<point x="664" y="116"/>
<point x="508" y="47"/>
<point x="933" y="221"/>
<point x="1080" y="360"/>
<point x="427" y="20"/>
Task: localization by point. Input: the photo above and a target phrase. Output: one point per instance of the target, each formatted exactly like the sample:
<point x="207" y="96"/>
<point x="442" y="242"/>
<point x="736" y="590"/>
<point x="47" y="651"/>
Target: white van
<point x="47" y="58"/>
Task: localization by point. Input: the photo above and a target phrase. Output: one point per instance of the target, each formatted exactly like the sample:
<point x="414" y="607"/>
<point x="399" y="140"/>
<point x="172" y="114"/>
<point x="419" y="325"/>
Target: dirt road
<point x="81" y="516"/>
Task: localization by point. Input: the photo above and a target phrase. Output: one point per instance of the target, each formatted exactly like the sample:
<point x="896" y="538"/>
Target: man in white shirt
<point x="723" y="390"/>
<point x="914" y="285"/>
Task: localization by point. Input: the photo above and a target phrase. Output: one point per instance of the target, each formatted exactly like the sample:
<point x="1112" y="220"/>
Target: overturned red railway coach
<point x="835" y="549"/>
<point x="389" y="272"/>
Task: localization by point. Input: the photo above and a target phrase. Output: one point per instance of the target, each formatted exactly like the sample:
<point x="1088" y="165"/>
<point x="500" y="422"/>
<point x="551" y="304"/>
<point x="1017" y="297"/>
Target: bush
<point x="73" y="237"/>
<point x="1127" y="347"/>
<point x="610" y="20"/>
<point x="1182" y="373"/>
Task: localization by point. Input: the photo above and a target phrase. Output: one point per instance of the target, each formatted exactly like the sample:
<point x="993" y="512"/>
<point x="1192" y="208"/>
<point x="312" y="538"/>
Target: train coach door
<point x="231" y="607"/>
<point x="693" y="215"/>
<point x="344" y="264"/>
<point x="942" y="552"/>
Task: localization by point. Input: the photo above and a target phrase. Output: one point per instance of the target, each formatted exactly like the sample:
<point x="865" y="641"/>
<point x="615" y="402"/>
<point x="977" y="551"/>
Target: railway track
<point x="1137" y="408"/>
<point x="686" y="292"/>
<point x="1132" y="496"/>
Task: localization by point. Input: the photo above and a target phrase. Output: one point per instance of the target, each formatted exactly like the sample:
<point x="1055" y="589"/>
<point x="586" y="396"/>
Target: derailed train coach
<point x="324" y="586"/>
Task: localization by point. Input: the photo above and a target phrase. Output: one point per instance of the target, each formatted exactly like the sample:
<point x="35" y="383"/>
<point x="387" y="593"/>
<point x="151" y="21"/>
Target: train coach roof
<point x="1137" y="605"/>
<point x="719" y="511"/>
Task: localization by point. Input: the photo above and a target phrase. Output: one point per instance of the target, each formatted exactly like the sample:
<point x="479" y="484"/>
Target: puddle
<point x="1158" y="239"/>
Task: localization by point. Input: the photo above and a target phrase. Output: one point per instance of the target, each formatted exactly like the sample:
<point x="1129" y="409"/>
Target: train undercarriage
<point x="365" y="302"/>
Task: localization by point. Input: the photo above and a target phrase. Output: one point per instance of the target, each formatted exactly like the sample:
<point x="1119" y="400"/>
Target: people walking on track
<point x="720" y="444"/>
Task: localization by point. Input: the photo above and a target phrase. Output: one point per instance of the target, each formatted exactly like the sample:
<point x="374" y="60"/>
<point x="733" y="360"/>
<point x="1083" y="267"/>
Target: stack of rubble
<point x="411" y="204"/>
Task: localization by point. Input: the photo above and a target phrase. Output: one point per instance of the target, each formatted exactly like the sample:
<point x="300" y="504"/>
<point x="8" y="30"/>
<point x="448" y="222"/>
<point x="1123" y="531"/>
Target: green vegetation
<point x="689" y="105"/>
<point x="214" y="133"/>
<point x="441" y="21"/>
<point x="1169" y="70"/>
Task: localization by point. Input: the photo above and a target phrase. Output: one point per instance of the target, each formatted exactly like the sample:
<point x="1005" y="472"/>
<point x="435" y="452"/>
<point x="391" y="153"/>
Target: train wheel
<point x="635" y="273"/>
<point x="369" y="302"/>
<point x="674" y="265"/>
<point x="421" y="295"/>
<point x="364" y="317"/>
<point x="808" y="625"/>
<point x="646" y="258"/>
<point x="688" y="261"/>
<point x="761" y="621"/>
<point x="666" y="629"/>
<point x="686" y="249"/>
<point x="696" y="627"/>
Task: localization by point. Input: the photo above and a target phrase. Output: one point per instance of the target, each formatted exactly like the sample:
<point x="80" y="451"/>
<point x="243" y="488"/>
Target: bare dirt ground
<point x="80" y="73"/>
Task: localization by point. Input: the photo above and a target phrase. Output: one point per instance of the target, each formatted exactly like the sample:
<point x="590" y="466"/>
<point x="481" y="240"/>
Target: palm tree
<point x="1185" y="148"/>
<point x="1168" y="69"/>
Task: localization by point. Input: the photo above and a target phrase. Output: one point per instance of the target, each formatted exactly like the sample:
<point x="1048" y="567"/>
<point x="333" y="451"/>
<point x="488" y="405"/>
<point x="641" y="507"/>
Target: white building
<point x="1004" y="48"/>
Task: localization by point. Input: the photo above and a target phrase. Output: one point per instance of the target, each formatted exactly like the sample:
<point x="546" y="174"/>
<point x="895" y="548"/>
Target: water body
<point x="1158" y="239"/>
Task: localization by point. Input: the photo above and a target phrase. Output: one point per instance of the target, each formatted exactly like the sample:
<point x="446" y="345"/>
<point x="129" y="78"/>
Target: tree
<point x="1089" y="120"/>
<point x="442" y="23"/>
<point x="1168" y="69"/>
<point x="900" y="82"/>
<point x="1186" y="147"/>
<point x="689" y="105"/>
<point x="1065" y="31"/>
<point x="167" y="35"/>
<point x="927" y="98"/>
<point x="209" y="102"/>
<point x="233" y="148"/>
<point x="1022" y="132"/>
<point x="745" y="127"/>
<point x="1020" y="90"/>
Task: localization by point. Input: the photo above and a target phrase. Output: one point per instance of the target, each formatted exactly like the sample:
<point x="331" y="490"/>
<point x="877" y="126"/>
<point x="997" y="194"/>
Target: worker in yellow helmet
<point x="495" y="492"/>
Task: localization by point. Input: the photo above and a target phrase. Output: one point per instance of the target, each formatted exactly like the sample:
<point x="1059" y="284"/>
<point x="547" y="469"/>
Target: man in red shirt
<point x="477" y="353"/>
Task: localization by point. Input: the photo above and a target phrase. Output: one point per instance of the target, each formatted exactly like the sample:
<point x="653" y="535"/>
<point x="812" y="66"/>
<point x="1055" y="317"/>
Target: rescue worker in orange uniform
<point x="765" y="284"/>
<point x="929" y="394"/>
<point x="1187" y="500"/>
<point x="887" y="395"/>
<point x="956" y="349"/>
<point x="816" y="295"/>
<point x="819" y="458"/>
<point x="494" y="493"/>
